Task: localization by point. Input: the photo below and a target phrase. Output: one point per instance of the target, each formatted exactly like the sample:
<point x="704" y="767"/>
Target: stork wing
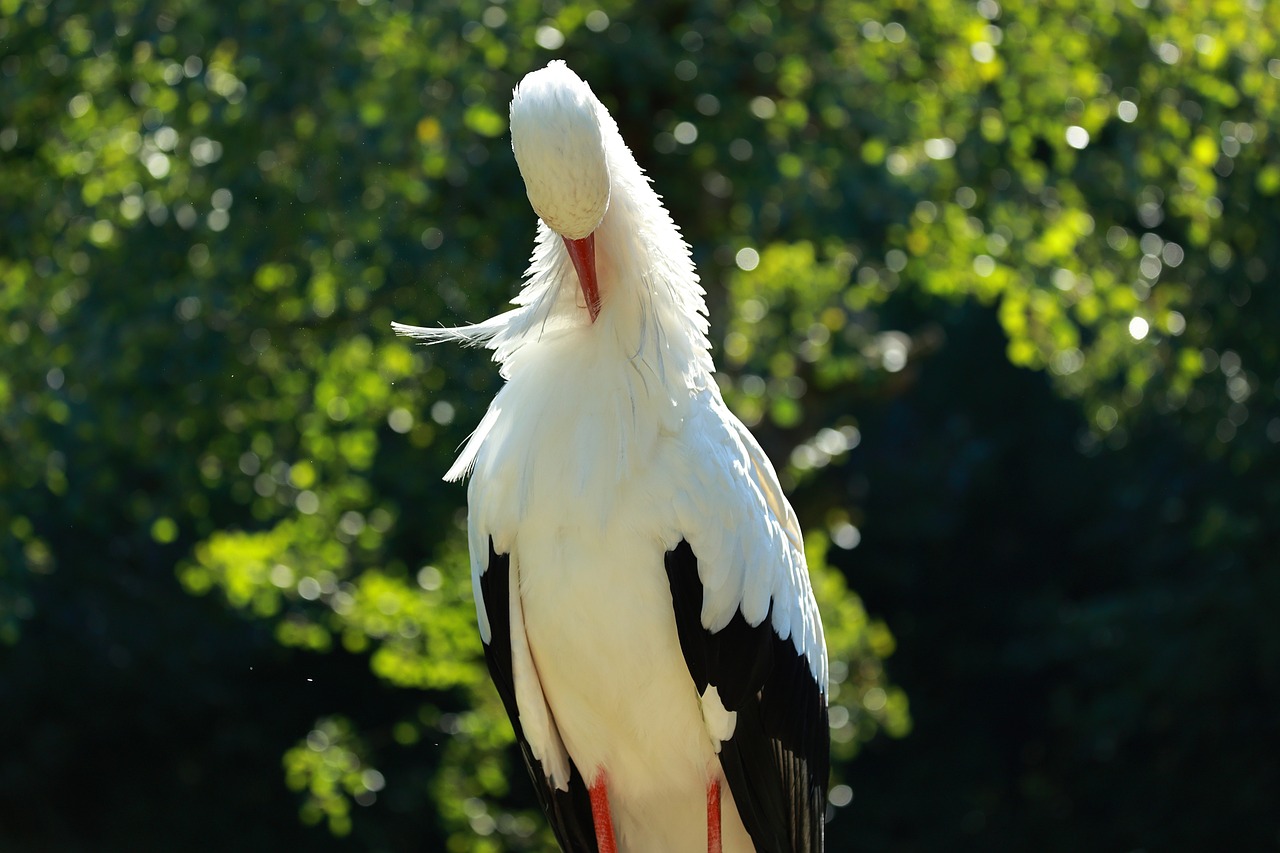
<point x="567" y="806"/>
<point x="749" y="628"/>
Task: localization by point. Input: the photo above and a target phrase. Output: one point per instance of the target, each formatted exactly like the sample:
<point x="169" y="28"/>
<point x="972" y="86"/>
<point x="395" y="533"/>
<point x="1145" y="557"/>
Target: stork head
<point x="559" y="147"/>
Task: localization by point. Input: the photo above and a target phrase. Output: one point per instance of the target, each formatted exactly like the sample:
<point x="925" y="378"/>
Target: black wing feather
<point x="778" y="759"/>
<point x="569" y="812"/>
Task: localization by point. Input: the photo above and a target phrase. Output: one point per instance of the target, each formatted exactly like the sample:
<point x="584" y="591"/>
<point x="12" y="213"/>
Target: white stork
<point x="639" y="576"/>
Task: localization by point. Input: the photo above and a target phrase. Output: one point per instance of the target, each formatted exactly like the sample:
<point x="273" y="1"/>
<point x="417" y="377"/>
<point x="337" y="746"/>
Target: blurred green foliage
<point x="233" y="591"/>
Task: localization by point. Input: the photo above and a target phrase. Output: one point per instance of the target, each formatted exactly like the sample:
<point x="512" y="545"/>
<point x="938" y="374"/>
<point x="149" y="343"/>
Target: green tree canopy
<point x="993" y="282"/>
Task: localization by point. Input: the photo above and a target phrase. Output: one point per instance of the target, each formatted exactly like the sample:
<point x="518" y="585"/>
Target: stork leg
<point x="713" y="817"/>
<point x="600" y="815"/>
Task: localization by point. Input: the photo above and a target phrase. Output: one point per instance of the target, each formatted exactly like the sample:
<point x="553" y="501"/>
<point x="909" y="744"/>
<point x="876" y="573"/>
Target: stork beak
<point x="583" y="254"/>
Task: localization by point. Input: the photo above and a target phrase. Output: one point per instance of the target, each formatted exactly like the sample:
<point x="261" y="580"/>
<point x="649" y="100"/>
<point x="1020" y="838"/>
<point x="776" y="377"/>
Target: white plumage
<point x="607" y="448"/>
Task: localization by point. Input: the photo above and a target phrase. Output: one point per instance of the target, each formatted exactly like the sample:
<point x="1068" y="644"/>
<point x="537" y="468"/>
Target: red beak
<point x="583" y="254"/>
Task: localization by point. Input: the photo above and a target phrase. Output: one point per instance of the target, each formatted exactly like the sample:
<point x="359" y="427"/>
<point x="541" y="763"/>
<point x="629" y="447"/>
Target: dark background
<point x="994" y="283"/>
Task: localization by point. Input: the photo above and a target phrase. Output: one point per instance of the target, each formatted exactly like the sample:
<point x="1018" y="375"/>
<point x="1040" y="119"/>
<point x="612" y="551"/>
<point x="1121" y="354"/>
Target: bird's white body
<point x="608" y="446"/>
<point x="587" y="541"/>
<point x="628" y="706"/>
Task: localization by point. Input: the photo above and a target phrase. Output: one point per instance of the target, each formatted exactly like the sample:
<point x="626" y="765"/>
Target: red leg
<point x="713" y="817"/>
<point x="601" y="817"/>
